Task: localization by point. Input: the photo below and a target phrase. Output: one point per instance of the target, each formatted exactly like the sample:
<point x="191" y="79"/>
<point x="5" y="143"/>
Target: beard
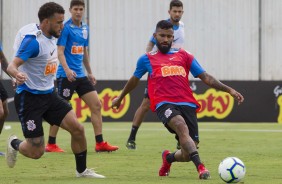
<point x="175" y="20"/>
<point x="53" y="33"/>
<point x="163" y="49"/>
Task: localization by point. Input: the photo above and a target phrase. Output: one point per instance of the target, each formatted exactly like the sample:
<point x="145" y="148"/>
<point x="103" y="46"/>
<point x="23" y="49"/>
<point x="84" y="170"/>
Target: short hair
<point x="164" y="24"/>
<point x="77" y="3"/>
<point x="176" y="3"/>
<point x="48" y="10"/>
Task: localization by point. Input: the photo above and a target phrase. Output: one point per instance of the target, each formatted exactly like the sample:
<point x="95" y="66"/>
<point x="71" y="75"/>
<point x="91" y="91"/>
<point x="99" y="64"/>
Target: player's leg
<point x="51" y="145"/>
<point x="30" y="109"/>
<point x="88" y="94"/>
<point x="138" y="119"/>
<point x="176" y="123"/>
<point x="65" y="90"/>
<point x="4" y="111"/>
<point x="3" y="115"/>
<point x="188" y="151"/>
<point x="61" y="114"/>
<point x="2" y="118"/>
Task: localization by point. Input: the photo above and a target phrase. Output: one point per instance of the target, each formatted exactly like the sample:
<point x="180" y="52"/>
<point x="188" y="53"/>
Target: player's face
<point x="176" y="13"/>
<point x="56" y="25"/>
<point x="77" y="12"/>
<point x="164" y="38"/>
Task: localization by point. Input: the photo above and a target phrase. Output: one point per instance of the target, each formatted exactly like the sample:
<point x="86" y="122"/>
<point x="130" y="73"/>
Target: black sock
<point x="80" y="159"/>
<point x="51" y="140"/>
<point x="170" y="157"/>
<point x="133" y="133"/>
<point x="99" y="138"/>
<point x="195" y="158"/>
<point x="16" y="143"/>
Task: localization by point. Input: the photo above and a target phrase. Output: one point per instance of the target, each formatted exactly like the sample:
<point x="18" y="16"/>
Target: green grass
<point x="258" y="145"/>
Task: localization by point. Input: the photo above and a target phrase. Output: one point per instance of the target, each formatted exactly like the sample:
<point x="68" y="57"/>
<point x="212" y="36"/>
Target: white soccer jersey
<point x="41" y="70"/>
<point x="179" y="35"/>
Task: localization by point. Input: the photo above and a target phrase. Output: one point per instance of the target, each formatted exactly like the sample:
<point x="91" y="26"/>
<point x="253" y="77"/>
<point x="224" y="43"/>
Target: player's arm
<point x="150" y="46"/>
<point x="198" y="71"/>
<point x="4" y="63"/>
<point x="12" y="69"/>
<point x="61" y="56"/>
<point x="29" y="48"/>
<point x="143" y="66"/>
<point x="87" y="66"/>
<point x="130" y="85"/>
<point x="213" y="82"/>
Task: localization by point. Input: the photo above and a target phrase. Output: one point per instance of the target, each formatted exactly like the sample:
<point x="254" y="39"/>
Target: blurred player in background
<point x="4" y="111"/>
<point x="171" y="96"/>
<point x="34" y="67"/>
<point x="175" y="11"/>
<point x="72" y="53"/>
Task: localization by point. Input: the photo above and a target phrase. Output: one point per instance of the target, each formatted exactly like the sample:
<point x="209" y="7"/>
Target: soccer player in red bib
<point x="171" y="97"/>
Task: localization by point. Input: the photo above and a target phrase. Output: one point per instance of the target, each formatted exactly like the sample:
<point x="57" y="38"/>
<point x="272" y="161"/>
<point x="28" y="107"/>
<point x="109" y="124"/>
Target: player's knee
<point x="37" y="154"/>
<point x="2" y="114"/>
<point x="78" y="130"/>
<point x="146" y="106"/>
<point x="96" y="108"/>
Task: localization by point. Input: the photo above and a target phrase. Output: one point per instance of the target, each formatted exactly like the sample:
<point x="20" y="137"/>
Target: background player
<point x="72" y="53"/>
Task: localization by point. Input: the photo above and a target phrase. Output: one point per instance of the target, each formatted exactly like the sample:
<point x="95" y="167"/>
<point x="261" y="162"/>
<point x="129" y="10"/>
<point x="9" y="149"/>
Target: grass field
<point x="258" y="145"/>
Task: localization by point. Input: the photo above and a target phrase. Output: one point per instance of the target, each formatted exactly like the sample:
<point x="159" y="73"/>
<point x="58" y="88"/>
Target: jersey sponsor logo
<point x="172" y="58"/>
<point x="50" y="68"/>
<point x="77" y="49"/>
<point x="173" y="71"/>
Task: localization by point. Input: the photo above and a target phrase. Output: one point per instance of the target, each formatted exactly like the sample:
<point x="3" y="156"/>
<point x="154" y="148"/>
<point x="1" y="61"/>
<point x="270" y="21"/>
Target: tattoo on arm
<point x="36" y="142"/>
<point x="213" y="82"/>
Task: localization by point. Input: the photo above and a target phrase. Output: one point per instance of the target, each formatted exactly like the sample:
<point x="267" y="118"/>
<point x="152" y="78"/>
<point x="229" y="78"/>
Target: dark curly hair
<point x="77" y="3"/>
<point x="48" y="10"/>
<point x="164" y="24"/>
<point x="176" y="3"/>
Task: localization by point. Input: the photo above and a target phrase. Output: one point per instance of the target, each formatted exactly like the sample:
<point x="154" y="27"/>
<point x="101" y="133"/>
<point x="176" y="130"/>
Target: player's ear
<point x="155" y="35"/>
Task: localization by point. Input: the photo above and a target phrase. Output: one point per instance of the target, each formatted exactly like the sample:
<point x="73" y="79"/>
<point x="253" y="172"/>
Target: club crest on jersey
<point x="84" y="33"/>
<point x="30" y="125"/>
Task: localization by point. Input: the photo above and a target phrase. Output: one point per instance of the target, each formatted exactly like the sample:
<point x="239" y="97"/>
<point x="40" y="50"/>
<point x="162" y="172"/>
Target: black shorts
<point x="3" y="92"/>
<point x="167" y="111"/>
<point x="80" y="85"/>
<point x="33" y="108"/>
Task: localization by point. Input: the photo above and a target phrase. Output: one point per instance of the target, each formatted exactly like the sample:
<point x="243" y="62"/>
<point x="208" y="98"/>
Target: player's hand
<point x="14" y="84"/>
<point x="71" y="75"/>
<point x="116" y="103"/>
<point x="92" y="79"/>
<point x="237" y="96"/>
<point x="21" y="78"/>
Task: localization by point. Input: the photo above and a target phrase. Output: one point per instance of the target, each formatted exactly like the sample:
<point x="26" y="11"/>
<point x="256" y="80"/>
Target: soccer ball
<point x="231" y="170"/>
